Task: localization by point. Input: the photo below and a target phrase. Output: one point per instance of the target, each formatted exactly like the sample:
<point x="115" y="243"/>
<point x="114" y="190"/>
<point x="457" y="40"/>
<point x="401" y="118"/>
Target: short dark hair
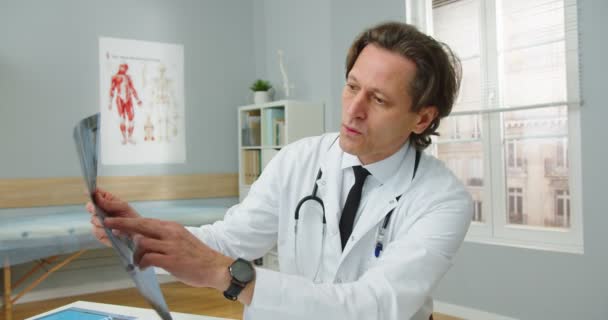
<point x="438" y="70"/>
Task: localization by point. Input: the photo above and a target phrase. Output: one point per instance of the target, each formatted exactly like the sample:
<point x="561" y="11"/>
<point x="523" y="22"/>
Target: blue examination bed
<point x="44" y="237"/>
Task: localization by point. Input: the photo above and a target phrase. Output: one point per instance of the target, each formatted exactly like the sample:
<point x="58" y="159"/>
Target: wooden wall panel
<point x="23" y="193"/>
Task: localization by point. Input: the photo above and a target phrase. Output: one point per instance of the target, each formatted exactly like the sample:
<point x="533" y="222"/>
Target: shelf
<point x="271" y="104"/>
<point x="264" y="130"/>
<point x="261" y="148"/>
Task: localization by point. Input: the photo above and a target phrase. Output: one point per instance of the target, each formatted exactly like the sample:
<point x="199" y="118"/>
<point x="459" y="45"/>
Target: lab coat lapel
<point x="330" y="186"/>
<point x="383" y="200"/>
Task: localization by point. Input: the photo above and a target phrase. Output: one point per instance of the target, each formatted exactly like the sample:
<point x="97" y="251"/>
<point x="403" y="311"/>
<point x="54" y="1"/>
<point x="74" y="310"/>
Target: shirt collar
<point x="381" y="170"/>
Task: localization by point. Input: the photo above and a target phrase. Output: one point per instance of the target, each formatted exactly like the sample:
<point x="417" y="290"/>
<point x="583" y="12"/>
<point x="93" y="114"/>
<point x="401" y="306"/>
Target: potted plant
<point x="261" y="91"/>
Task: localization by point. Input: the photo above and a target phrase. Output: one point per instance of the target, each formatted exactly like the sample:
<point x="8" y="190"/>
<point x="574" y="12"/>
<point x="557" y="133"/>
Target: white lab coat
<point x="426" y="229"/>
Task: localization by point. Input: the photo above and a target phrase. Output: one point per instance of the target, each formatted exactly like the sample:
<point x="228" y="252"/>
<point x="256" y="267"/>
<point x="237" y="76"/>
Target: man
<point x="383" y="220"/>
<point x="123" y="85"/>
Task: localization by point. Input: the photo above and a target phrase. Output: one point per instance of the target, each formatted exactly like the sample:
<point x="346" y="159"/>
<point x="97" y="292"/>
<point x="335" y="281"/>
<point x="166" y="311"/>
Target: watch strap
<point x="233" y="291"/>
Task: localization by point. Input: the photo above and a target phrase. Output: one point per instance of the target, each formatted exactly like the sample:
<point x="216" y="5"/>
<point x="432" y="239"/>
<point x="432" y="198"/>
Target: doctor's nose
<point x="357" y="106"/>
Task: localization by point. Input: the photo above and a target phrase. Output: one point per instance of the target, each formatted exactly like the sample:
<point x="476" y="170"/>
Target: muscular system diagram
<point x="142" y="102"/>
<point x="122" y="87"/>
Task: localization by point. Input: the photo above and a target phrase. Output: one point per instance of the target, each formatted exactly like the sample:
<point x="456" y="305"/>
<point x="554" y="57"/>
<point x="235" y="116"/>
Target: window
<point x="561" y="156"/>
<point x="476" y="134"/>
<point x="477" y="217"/>
<point x="514" y="159"/>
<point x="562" y="209"/>
<point x="516" y="120"/>
<point x="455" y="129"/>
<point x="516" y="206"/>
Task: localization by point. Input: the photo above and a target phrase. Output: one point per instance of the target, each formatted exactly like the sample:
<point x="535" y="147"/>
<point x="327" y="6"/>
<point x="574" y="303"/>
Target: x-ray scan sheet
<point x="86" y="136"/>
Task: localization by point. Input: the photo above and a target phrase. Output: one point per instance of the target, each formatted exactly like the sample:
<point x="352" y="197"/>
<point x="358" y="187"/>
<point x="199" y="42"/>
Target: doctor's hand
<point x="170" y="246"/>
<point x="114" y="207"/>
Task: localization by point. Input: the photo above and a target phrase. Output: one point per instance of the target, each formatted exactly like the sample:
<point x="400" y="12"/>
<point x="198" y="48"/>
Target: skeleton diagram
<point x="164" y="106"/>
<point x="125" y="91"/>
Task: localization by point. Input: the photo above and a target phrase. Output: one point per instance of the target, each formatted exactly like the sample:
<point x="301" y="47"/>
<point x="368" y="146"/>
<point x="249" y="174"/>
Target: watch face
<point x="242" y="271"/>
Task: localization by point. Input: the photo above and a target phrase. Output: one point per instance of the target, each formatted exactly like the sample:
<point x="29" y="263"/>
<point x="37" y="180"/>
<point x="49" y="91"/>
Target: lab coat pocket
<point x="285" y="250"/>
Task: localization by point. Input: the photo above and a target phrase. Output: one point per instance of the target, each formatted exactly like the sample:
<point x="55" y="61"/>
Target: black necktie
<point x="352" y="204"/>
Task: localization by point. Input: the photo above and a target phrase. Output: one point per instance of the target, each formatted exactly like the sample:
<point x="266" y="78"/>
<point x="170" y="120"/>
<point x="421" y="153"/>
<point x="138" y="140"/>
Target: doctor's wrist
<point x="221" y="279"/>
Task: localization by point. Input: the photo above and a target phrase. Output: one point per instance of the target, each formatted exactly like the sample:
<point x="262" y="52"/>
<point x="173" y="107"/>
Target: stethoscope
<point x="318" y="201"/>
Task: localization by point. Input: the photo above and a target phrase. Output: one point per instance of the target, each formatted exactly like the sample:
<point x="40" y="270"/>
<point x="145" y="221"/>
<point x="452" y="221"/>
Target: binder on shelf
<point x="279" y="130"/>
<point x="271" y="116"/>
<point x="251" y="129"/>
<point x="251" y="165"/>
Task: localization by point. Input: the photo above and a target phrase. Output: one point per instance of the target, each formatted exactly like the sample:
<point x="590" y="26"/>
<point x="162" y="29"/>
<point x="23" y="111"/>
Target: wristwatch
<point x="242" y="272"/>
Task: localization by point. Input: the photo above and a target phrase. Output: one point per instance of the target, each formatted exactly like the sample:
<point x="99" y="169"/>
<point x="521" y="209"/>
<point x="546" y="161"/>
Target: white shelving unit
<point x="258" y="143"/>
<point x="263" y="130"/>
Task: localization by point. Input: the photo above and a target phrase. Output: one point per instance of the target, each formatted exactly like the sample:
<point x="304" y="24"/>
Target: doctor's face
<point x="377" y="115"/>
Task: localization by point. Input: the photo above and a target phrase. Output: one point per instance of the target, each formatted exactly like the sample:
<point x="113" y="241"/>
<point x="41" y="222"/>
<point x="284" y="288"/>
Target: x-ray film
<point x="86" y="136"/>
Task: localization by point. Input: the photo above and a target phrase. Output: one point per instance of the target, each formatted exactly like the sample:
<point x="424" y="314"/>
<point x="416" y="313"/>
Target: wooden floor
<point x="180" y="298"/>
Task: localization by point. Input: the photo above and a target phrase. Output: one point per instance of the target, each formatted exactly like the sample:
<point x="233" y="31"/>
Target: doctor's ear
<point x="426" y="115"/>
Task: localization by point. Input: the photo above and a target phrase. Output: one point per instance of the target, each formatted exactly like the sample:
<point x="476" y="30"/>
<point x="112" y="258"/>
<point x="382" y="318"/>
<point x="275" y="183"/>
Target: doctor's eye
<point x="351" y="87"/>
<point x="379" y="100"/>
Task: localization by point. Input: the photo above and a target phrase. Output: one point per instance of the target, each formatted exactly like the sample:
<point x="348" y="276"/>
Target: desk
<point x="143" y="314"/>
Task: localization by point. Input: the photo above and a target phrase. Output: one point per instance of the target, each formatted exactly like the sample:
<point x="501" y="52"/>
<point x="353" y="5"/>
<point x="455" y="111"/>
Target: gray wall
<point x="301" y="30"/>
<point x="315" y="36"/>
<point x="49" y="77"/>
<point x="532" y="284"/>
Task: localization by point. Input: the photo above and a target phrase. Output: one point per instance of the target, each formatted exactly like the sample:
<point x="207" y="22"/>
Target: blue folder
<point x="83" y="314"/>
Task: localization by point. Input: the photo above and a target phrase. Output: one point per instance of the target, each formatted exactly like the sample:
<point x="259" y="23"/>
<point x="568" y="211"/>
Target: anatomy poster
<point x="142" y="102"/>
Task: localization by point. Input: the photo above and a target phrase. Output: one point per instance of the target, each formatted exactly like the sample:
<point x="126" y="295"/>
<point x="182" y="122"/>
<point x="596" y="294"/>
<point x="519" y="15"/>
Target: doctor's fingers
<point x="147" y="245"/>
<point x="101" y="236"/>
<point x="90" y="207"/>
<point x="96" y="222"/>
<point x="151" y="228"/>
<point x="155" y="259"/>
<point x="105" y="194"/>
<point x="111" y="203"/>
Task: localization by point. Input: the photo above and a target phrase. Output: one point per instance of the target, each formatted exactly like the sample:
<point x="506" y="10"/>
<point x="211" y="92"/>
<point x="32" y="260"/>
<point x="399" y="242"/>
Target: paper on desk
<point x="86" y="136"/>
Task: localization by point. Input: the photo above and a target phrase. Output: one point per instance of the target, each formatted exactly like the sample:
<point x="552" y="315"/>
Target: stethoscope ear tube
<point x="312" y="197"/>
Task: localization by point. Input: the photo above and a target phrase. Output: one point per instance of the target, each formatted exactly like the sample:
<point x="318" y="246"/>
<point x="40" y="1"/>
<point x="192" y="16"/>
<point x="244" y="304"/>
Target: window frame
<point x="495" y="228"/>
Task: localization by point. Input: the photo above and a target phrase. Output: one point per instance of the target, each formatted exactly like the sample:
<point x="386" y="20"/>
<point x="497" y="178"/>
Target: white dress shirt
<point x="380" y="172"/>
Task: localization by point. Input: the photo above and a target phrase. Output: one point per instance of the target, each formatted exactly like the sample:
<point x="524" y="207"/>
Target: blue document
<point x="83" y="314"/>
